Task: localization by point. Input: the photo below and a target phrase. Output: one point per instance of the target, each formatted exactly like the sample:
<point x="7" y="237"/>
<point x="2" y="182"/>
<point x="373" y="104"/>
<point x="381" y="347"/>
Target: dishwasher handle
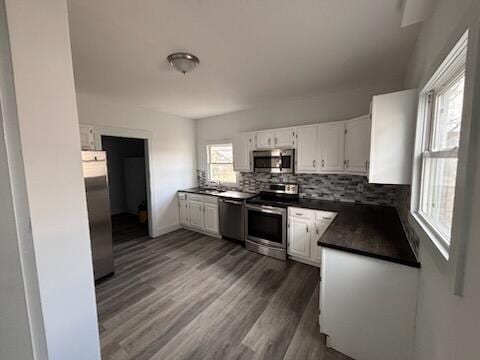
<point x="231" y="202"/>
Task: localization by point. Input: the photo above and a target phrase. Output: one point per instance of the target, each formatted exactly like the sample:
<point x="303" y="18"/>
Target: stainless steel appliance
<point x="98" y="205"/>
<point x="232" y="218"/>
<point x="274" y="161"/>
<point x="266" y="220"/>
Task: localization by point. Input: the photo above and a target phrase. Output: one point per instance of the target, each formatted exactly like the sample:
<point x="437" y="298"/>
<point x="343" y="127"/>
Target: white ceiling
<point x="251" y="51"/>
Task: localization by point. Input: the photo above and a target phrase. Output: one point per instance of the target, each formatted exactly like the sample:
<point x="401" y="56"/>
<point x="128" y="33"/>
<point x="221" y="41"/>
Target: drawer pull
<point x="299" y="214"/>
<point x="326" y="218"/>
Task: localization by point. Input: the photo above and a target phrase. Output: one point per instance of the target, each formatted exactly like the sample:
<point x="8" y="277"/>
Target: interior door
<point x="332" y="147"/>
<point x="299" y="237"/>
<point x="307" y="150"/>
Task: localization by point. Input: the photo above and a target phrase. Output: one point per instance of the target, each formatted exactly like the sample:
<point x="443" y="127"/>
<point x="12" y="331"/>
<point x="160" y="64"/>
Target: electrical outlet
<point x="360" y="187"/>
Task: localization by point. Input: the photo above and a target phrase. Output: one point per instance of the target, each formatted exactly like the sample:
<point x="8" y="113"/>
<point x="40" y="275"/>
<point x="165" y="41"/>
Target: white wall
<point x="302" y="111"/>
<point x="448" y="326"/>
<point x="173" y="150"/>
<point x="50" y="146"/>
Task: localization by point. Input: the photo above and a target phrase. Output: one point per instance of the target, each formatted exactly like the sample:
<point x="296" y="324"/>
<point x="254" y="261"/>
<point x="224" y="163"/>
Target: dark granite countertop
<point x="369" y="230"/>
<point x="234" y="195"/>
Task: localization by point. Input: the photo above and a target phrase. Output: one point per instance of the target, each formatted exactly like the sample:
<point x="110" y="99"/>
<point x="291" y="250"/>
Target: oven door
<point x="266" y="225"/>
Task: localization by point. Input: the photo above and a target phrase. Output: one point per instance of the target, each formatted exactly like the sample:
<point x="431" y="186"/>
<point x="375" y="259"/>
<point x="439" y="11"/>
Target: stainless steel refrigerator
<point x="98" y="204"/>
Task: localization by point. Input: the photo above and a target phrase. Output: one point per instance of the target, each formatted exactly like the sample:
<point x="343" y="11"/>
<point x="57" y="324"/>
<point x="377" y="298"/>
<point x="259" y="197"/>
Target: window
<point x="220" y="163"/>
<point x="442" y="108"/>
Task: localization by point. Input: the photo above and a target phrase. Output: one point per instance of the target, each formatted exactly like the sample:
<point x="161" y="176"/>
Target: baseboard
<point x="166" y="229"/>
<point x="305" y="261"/>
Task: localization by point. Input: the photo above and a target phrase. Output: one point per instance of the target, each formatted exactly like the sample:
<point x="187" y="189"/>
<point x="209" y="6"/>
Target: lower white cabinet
<point x="305" y="227"/>
<point x="196" y="214"/>
<point x="183" y="208"/>
<point x="367" y="306"/>
<point x="199" y="212"/>
<point x="211" y="217"/>
<point x="299" y="236"/>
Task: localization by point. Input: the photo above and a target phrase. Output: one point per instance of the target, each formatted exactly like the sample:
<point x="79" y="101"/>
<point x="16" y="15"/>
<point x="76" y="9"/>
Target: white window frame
<point x="209" y="178"/>
<point x="450" y="70"/>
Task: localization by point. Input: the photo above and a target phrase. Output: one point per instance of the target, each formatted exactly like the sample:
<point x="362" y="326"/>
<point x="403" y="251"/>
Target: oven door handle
<point x="268" y="209"/>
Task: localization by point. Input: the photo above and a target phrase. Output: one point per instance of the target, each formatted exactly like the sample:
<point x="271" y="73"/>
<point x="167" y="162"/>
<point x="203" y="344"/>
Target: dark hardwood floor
<point x="126" y="227"/>
<point x="185" y="295"/>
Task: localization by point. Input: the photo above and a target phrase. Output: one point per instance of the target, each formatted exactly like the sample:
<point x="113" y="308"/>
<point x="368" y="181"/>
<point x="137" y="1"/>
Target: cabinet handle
<point x="314" y="163"/>
<point x="299" y="214"/>
<point x="316" y="230"/>
<point x="269" y="141"/>
<point x="348" y="163"/>
<point x="326" y="218"/>
<point x="323" y="163"/>
<point x="366" y="164"/>
<point x="307" y="228"/>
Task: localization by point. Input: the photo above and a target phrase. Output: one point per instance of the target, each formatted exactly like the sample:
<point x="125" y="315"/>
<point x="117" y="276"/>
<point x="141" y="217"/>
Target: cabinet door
<point x="86" y="137"/>
<point x="284" y="138"/>
<point x="196" y="214"/>
<point x="211" y="217"/>
<point x="357" y="145"/>
<point x="393" y="133"/>
<point x="332" y="147"/>
<point x="307" y="149"/>
<point x="242" y="150"/>
<point x="183" y="210"/>
<point x="299" y="236"/>
<point x="320" y="228"/>
<point x="265" y="139"/>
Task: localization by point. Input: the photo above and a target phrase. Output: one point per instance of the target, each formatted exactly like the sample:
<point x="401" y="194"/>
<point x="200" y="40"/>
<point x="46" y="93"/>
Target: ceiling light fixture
<point x="183" y="62"/>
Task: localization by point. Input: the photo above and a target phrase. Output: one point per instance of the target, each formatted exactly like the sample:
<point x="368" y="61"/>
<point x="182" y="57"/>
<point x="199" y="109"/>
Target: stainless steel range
<point x="266" y="220"/>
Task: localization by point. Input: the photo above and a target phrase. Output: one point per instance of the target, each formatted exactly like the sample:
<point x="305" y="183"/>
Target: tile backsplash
<point x="337" y="187"/>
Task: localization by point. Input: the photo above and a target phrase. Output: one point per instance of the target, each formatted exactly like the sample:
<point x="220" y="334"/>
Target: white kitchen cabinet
<point x="211" y="217"/>
<point x="242" y="152"/>
<point x="183" y="208"/>
<point x="265" y="139"/>
<point x="284" y="138"/>
<point x="307" y="149"/>
<point x="331" y="147"/>
<point x="199" y="212"/>
<point x="86" y="137"/>
<point x="367" y="306"/>
<point x="299" y="234"/>
<point x="392" y="137"/>
<point x="357" y="145"/>
<point x="196" y="214"/>
<point x="305" y="228"/>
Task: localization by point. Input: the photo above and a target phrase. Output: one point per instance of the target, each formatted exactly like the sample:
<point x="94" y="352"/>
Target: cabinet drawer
<point x="182" y="196"/>
<point x="325" y="215"/>
<point x="301" y="213"/>
<point x="210" y="199"/>
<point x="195" y="197"/>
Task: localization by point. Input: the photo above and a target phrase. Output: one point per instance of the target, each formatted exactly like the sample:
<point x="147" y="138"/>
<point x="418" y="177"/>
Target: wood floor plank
<point x="186" y="295"/>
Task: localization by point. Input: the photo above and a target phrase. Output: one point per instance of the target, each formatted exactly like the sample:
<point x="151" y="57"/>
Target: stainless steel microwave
<point x="274" y="161"/>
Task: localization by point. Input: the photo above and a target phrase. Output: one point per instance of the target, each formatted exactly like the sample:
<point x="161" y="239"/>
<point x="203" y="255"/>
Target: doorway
<point x="127" y="176"/>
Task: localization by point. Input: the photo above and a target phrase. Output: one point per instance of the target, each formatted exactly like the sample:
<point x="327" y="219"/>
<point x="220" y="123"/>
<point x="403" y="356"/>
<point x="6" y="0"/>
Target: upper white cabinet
<point x="284" y="138"/>
<point x="357" y="145"/>
<point x="86" y="137"/>
<point x="242" y="148"/>
<point x="265" y="139"/>
<point x="331" y="147"/>
<point x="273" y="139"/>
<point x="307" y="149"/>
<point x="392" y="137"/>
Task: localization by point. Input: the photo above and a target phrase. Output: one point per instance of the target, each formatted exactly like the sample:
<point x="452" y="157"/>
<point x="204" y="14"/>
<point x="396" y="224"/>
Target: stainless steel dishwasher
<point x="232" y="219"/>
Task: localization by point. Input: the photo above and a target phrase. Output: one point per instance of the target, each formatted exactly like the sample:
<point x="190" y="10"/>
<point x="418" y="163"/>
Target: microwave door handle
<point x="281" y="158"/>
